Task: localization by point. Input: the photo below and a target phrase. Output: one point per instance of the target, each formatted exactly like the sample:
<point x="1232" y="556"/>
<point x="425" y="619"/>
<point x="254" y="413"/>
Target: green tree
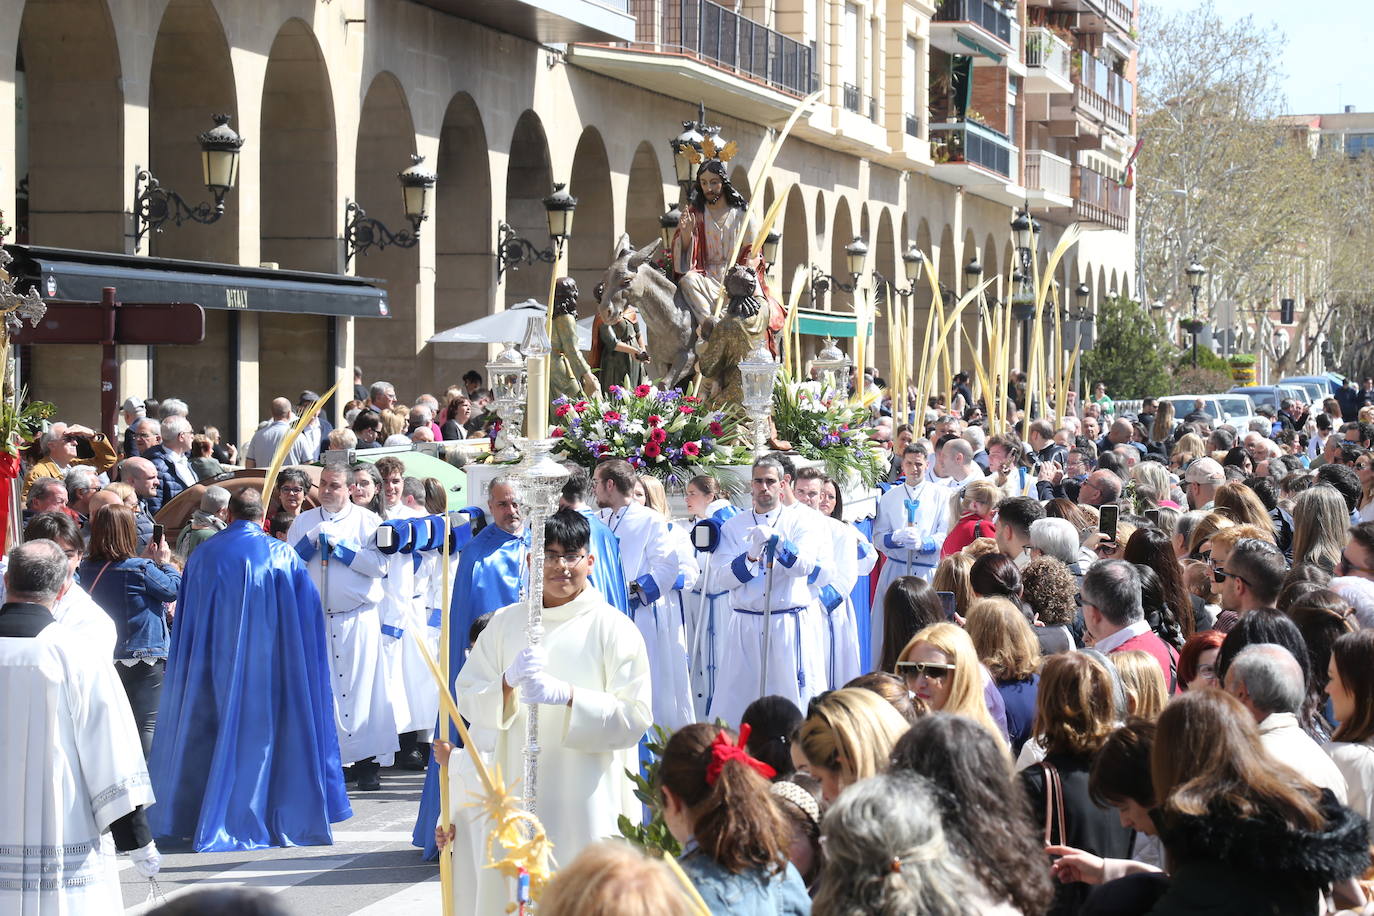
<point x="1132" y="354"/>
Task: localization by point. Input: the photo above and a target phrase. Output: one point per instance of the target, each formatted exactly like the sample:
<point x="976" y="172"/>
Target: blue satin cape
<point x="608" y="575"/>
<point x="246" y="755"/>
<point x="488" y="577"/>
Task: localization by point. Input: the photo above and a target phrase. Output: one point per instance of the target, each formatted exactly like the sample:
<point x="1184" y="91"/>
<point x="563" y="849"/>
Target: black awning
<point x="59" y="273"/>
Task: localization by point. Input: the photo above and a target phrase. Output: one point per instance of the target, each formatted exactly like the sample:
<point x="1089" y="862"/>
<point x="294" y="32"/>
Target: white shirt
<point x="1287" y="743"/>
<point x="1121" y="637"/>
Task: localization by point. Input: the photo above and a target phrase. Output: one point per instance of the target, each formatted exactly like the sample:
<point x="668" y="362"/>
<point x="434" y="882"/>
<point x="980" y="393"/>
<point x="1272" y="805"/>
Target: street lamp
<point x="154" y="205"/>
<point x="362" y="232"/>
<point x="912" y="262"/>
<point x="855" y="255"/>
<point x="833" y="366"/>
<point x="667" y="230"/>
<point x="770" y="248"/>
<point x="758" y="373"/>
<point x="1195" y="272"/>
<point x="690" y="139"/>
<point x="512" y="250"/>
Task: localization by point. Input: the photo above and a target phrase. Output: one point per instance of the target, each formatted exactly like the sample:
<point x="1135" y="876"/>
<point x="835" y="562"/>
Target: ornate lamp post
<point x="667" y="229"/>
<point x="513" y="250"/>
<point x="1195" y="272"/>
<point x="506" y="375"/>
<point x="362" y="232"/>
<point x="855" y="255"/>
<point x="155" y="205"/>
<point x="833" y="366"/>
<point x="771" y="241"/>
<point x="758" y="372"/>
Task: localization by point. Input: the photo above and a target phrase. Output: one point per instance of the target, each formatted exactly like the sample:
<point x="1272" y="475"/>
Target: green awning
<point x="832" y="324"/>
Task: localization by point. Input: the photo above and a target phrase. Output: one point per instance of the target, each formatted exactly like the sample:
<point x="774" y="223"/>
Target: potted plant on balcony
<point x="1242" y="367"/>
<point x="1191" y="325"/>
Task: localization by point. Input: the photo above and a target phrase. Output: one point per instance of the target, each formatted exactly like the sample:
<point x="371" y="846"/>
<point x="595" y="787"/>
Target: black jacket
<point x="1224" y="864"/>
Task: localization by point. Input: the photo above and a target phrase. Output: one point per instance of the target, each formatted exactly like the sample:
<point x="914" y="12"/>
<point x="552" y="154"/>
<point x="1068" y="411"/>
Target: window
<point x="1356" y="144"/>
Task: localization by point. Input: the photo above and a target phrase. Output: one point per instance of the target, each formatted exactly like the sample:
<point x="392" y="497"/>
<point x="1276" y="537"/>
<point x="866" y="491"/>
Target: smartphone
<point x="947" y="602"/>
<point x="158" y="534"/>
<point x="1152" y="515"/>
<point x="1106" y="521"/>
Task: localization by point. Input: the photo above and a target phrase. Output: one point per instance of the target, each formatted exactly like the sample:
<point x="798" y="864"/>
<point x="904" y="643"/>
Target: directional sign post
<point x="110" y="323"/>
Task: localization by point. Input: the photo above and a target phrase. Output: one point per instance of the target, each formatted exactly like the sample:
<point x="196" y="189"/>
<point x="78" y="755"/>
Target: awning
<point x="832" y="324"/>
<point x="59" y="273"/>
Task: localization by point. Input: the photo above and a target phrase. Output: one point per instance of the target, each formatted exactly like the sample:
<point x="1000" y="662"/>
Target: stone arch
<point x="883" y="259"/>
<point x="739" y="179"/>
<point x="529" y="179"/>
<point x="643" y="197"/>
<point x="1102" y="287"/>
<point x="820" y="225"/>
<point x="1112" y="285"/>
<point x="300" y="213"/>
<point x="589" y="250"/>
<point x="386" y="139"/>
<point x="74" y="111"/>
<point x="951" y="280"/>
<point x="464" y="235"/>
<point x="841" y="234"/>
<point x="796" y="242"/>
<point x="192" y="78"/>
<point x="69" y="150"/>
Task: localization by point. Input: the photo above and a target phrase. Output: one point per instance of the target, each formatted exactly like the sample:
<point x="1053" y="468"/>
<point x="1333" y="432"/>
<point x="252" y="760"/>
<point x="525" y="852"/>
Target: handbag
<point x="1054" y="805"/>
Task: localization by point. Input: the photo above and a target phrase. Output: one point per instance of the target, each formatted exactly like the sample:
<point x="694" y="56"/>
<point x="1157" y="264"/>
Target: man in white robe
<point x="849" y="557"/>
<point x="651" y="571"/>
<point x="71" y="760"/>
<point x="337" y="540"/>
<point x="774" y="602"/>
<point x="909" y="529"/>
<point x="588" y="681"/>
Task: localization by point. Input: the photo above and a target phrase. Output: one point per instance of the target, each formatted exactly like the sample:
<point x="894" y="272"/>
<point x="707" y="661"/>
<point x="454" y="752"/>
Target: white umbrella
<point x="508" y="326"/>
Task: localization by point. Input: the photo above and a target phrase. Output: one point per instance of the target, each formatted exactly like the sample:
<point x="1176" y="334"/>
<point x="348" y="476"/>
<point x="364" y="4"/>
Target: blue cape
<point x="608" y="575"/>
<point x="246" y="755"/>
<point x="488" y="577"/>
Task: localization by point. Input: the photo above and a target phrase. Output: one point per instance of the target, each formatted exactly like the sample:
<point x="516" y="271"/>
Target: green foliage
<point x="1206" y="359"/>
<point x="21" y="424"/>
<point x="823" y="426"/>
<point x="1188" y="380"/>
<point x="654" y="834"/>
<point x="1132" y="355"/>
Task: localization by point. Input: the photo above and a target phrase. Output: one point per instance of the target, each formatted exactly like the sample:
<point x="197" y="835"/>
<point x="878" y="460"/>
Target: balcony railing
<point x="972" y="143"/>
<point x="726" y="39"/>
<point x="872" y="105"/>
<point x="1047" y="50"/>
<point x="1115" y="11"/>
<point x="851" y="98"/>
<point x="1104" y="95"/>
<point x="987" y="16"/>
<point x="1049" y="173"/>
<point x="913" y="126"/>
<point x="1101" y="199"/>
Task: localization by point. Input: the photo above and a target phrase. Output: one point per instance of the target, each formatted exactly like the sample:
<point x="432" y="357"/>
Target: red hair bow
<point x="722" y="752"/>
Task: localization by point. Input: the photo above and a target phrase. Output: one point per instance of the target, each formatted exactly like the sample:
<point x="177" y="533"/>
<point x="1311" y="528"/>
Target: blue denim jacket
<point x="133" y="592"/>
<point x="752" y="893"/>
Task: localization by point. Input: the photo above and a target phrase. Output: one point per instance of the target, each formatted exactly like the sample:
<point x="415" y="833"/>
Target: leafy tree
<point x="1132" y="354"/>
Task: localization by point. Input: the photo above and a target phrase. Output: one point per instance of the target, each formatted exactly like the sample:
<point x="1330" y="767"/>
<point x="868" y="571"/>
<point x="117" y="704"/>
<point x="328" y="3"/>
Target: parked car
<point x="1271" y="395"/>
<point x="1328" y="383"/>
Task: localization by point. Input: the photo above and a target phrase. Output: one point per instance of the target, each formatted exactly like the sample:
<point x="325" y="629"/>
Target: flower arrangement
<point x="668" y="433"/>
<point x="825" y="427"/>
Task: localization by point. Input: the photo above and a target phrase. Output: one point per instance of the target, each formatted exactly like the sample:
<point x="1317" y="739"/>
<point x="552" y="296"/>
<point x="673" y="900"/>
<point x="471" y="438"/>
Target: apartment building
<point x="935" y="123"/>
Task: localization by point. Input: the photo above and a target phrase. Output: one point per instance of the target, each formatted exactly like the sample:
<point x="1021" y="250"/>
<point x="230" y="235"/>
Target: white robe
<point x="585" y="749"/>
<point x="833" y="581"/>
<point x="363" y="712"/>
<point x="673" y="686"/>
<point x="932" y="520"/>
<point x="71" y="764"/>
<point x="648" y="557"/>
<point x="705" y="612"/>
<point x="405" y="606"/>
<point x="77" y="611"/>
<point x="795" y="667"/>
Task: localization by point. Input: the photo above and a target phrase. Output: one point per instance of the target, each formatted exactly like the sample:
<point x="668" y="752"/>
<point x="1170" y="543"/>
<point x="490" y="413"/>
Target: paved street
<point x="371" y="868"/>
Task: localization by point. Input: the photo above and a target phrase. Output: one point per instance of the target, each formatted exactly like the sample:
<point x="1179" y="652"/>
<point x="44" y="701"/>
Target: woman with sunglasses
<point x="847" y="736"/>
<point x="1351" y="688"/>
<point x="1364" y="469"/>
<point x="940" y="666"/>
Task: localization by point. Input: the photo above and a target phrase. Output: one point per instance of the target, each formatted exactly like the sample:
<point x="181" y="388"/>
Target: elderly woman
<point x="58" y="447"/>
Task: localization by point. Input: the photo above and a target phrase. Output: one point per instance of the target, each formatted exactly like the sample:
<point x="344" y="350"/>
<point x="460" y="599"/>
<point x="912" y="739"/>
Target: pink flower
<point x="654" y="419"/>
<point x="716" y="429"/>
<point x="562" y="410"/>
<point x="651" y="450"/>
<point x="686" y="410"/>
<point x="558" y="432"/>
<point x="658" y="435"/>
<point x="692" y="399"/>
<point x="642" y="391"/>
<point x="580" y="406"/>
<point x="611" y="416"/>
<point x="691" y="449"/>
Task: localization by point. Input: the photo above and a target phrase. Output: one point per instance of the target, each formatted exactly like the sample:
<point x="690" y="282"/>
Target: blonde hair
<point x="393" y="422"/>
<point x="1227" y="537"/>
<point x="966" y="683"/>
<point x="613" y="878"/>
<point x="1153" y="480"/>
<point x="952" y="576"/>
<point x="122" y="490"/>
<point x="979" y="546"/>
<point x="1004" y="641"/>
<point x="962" y="499"/>
<point x="1143" y="682"/>
<point x="1206" y="527"/>
<point x="655" y="497"/>
<point x="1240" y="504"/>
<point x="851" y="730"/>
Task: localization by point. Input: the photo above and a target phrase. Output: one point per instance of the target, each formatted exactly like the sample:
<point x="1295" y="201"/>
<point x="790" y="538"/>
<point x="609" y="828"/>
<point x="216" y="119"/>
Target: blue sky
<point x="1328" y="59"/>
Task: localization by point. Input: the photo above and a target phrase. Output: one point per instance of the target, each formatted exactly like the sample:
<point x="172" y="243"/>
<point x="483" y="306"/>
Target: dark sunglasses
<point x="1220" y="575"/>
<point x="933" y="671"/>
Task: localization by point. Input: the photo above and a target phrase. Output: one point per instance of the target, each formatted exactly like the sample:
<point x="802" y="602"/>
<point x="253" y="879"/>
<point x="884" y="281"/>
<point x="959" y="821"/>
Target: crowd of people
<point x="1124" y="665"/>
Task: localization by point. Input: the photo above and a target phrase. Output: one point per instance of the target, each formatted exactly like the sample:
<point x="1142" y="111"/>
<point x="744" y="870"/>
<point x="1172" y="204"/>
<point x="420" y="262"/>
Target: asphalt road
<point x="370" y="870"/>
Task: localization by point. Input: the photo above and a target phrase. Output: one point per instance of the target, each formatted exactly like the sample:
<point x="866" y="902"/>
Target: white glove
<point x="908" y="537"/>
<point x="529" y="661"/>
<point x="759" y="536"/>
<point x="544" y="689"/>
<point x="147" y="860"/>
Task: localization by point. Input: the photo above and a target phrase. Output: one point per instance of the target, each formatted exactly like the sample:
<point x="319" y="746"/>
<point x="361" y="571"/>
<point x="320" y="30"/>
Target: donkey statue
<point x="671" y="326"/>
